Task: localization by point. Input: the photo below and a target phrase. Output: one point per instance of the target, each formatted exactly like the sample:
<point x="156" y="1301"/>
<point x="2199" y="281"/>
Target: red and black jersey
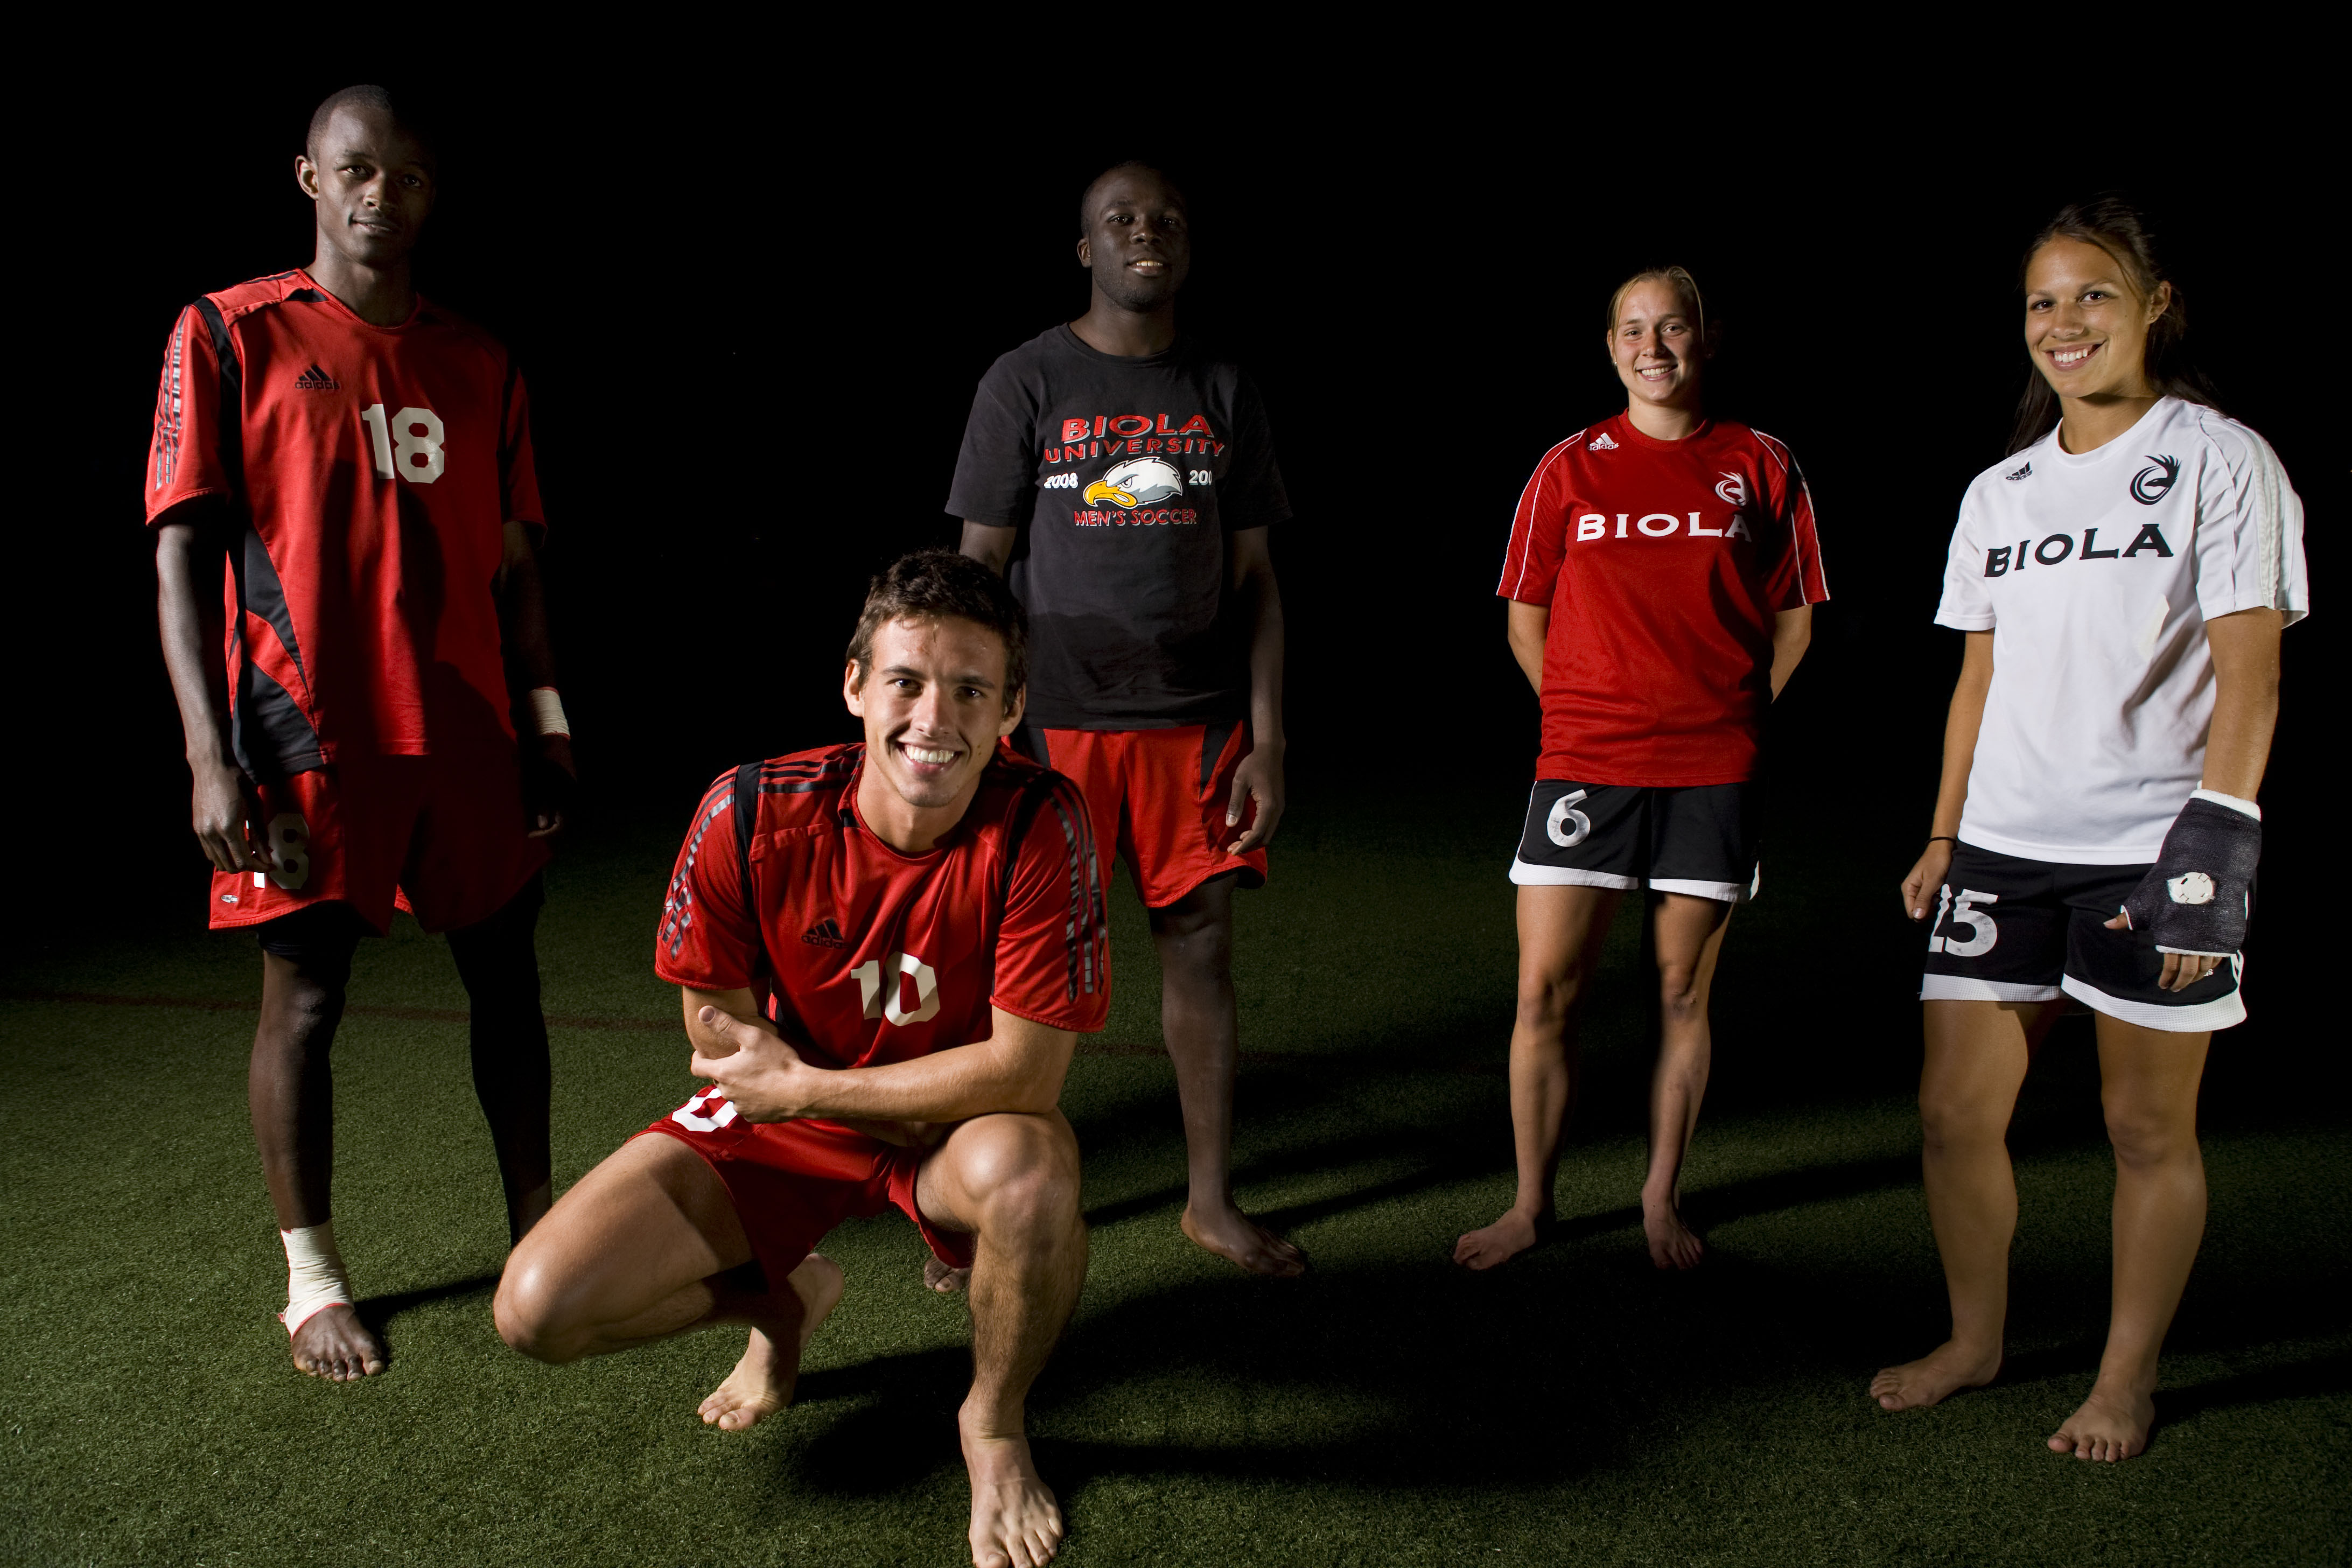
<point x="1663" y="564"/>
<point x="872" y="956"/>
<point x="371" y="471"/>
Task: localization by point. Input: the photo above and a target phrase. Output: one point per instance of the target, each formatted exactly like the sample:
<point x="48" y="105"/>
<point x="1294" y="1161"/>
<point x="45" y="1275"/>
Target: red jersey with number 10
<point x="371" y="471"/>
<point x="871" y="956"/>
<point x="1663" y="564"/>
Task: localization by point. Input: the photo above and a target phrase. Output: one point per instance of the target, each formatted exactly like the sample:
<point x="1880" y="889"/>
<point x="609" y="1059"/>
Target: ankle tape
<point x="315" y="1279"/>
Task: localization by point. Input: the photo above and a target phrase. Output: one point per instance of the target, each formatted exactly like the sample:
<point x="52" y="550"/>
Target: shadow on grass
<point x="378" y="1311"/>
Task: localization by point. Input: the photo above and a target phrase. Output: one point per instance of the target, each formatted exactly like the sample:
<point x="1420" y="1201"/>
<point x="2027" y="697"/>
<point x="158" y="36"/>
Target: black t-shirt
<point x="1124" y="475"/>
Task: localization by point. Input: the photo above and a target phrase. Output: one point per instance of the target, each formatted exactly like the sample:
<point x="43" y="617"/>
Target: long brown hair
<point x="2116" y="226"/>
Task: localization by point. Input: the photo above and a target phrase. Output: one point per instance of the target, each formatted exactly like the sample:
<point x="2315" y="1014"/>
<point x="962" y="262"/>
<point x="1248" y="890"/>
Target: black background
<point x="753" y="336"/>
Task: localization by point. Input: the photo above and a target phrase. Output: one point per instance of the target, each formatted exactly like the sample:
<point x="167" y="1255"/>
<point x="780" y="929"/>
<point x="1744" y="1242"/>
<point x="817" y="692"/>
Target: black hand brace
<point x="2199" y="894"/>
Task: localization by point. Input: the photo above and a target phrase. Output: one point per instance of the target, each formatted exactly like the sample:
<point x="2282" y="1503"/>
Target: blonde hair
<point x="1678" y="278"/>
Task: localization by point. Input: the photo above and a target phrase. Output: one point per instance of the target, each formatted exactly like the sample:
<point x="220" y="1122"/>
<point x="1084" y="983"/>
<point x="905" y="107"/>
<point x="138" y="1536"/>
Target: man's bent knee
<point x="529" y="1312"/>
<point x="1021" y="1173"/>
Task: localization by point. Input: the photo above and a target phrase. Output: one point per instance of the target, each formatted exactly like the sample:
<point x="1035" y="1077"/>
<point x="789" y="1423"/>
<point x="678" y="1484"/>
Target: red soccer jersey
<point x="371" y="470"/>
<point x="1663" y="564"/>
<point x="872" y="956"/>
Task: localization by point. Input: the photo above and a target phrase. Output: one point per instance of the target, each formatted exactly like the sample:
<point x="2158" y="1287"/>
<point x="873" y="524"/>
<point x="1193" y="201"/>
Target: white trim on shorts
<point x="1967" y="988"/>
<point x="2222" y="1012"/>
<point x="1721" y="892"/>
<point x="1531" y="876"/>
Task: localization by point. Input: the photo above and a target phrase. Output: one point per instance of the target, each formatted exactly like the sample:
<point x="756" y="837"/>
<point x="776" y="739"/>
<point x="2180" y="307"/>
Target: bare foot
<point x="2110" y="1426"/>
<point x="763" y="1380"/>
<point x="1933" y="1377"/>
<point x="1672" y="1244"/>
<point x="1498" y="1243"/>
<point x="1015" y="1523"/>
<point x="334" y="1345"/>
<point x="947" y="1281"/>
<point x="1235" y="1238"/>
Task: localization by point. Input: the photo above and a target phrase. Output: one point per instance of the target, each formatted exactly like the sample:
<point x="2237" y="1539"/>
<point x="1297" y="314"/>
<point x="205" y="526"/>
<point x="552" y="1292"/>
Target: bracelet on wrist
<point x="1941" y="838"/>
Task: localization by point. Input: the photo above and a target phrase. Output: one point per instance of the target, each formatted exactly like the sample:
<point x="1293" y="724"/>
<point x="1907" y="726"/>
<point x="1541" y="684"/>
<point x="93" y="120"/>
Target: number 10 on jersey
<point x="408" y="445"/>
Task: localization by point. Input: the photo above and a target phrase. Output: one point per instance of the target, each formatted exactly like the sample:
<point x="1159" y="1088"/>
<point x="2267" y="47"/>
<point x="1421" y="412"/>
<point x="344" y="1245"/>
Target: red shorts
<point x="442" y="835"/>
<point x="792" y="1182"/>
<point x="1161" y="796"/>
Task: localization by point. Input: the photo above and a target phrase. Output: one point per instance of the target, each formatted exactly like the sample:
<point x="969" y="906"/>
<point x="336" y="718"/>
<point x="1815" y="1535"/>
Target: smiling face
<point x="1137" y="241"/>
<point x="934" y="705"/>
<point x="2086" y="325"/>
<point x="1656" y="345"/>
<point x="374" y="184"/>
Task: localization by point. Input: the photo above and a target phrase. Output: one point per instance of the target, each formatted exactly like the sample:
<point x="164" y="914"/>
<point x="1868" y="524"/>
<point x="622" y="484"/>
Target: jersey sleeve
<point x="1795" y="578"/>
<point x="2249" y="531"/>
<point x="1052" y="949"/>
<point x="1250" y="493"/>
<point x="708" y="939"/>
<point x="1965" y="605"/>
<point x="1538" y="532"/>
<point x="518" y="465"/>
<point x="995" y="470"/>
<point x="198" y="430"/>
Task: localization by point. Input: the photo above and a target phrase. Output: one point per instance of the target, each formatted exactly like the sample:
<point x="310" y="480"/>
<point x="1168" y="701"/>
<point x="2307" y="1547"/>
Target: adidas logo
<point x="1601" y="443"/>
<point x="824" y="933"/>
<point x="2019" y="473"/>
<point x="316" y="379"/>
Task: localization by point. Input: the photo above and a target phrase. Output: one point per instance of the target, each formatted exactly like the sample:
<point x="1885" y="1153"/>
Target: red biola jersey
<point x="870" y="956"/>
<point x="1663" y="564"/>
<point x="370" y="471"/>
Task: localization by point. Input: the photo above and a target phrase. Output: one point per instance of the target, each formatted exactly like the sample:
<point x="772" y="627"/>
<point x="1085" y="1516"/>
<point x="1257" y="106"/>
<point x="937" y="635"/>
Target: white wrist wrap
<point x="314" y="1274"/>
<point x="547" y="711"/>
<point x="2231" y="800"/>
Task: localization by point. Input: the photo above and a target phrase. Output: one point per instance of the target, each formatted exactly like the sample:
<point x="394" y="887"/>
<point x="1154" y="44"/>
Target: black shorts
<point x="1699" y="839"/>
<point x="2011" y="930"/>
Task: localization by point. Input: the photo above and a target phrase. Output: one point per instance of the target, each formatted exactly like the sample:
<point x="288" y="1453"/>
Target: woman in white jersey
<point x="2122" y="577"/>
<point x="1662" y="574"/>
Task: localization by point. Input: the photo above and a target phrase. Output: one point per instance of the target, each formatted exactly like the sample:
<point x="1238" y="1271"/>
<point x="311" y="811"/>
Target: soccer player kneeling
<point x="839" y="919"/>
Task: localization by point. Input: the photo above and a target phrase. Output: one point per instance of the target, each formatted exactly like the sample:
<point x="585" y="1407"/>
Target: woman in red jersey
<point x="1662" y="574"/>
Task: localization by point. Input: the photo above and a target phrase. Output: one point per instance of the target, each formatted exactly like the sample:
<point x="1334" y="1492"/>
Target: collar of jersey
<point x="352" y="316"/>
<point x="1625" y="423"/>
<point x="856" y="777"/>
<point x="2160" y="411"/>
<point x="1167" y="355"/>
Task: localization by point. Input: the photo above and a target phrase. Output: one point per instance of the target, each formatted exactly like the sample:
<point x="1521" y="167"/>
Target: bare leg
<point x="646" y="1245"/>
<point x="1013" y="1182"/>
<point x="499" y="965"/>
<point x="1195" y="937"/>
<point x="1560" y="932"/>
<point x="1686" y="933"/>
<point x="290" y="1091"/>
<point x="2149" y="1082"/>
<point x="1976" y="1060"/>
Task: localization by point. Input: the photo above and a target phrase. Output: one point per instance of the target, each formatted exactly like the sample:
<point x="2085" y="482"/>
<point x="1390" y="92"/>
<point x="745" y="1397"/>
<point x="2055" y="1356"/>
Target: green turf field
<point x="1574" y="1407"/>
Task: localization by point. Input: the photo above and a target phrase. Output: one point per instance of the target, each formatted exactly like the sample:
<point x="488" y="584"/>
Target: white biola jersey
<point x="2095" y="575"/>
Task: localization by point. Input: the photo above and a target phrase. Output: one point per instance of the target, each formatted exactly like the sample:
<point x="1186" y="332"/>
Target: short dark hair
<point x="365" y="95"/>
<point x="929" y="583"/>
<point x="1124" y="166"/>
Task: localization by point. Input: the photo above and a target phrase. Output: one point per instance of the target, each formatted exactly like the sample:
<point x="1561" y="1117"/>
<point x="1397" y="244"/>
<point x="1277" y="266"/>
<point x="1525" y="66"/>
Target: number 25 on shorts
<point x="1982" y="933"/>
<point x="408" y="445"/>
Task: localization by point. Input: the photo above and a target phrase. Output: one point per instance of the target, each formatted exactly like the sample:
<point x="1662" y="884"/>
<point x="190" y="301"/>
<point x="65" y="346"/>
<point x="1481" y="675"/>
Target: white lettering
<point x="1591" y="525"/>
<point x="1669" y="519"/>
<point x="1709" y="532"/>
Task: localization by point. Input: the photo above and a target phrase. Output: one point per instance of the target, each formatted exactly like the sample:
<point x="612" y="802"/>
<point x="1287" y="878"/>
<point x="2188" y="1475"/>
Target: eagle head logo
<point x="2149" y="485"/>
<point x="1733" y="489"/>
<point x="1137" y="482"/>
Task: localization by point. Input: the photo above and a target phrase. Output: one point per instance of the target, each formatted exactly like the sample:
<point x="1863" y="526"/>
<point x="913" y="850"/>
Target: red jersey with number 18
<point x="371" y="471"/>
<point x="1663" y="564"/>
<point x="871" y="956"/>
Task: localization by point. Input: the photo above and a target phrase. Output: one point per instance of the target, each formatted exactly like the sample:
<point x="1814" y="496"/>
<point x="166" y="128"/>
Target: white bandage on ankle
<point x="314" y="1274"/>
<point x="547" y="711"/>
